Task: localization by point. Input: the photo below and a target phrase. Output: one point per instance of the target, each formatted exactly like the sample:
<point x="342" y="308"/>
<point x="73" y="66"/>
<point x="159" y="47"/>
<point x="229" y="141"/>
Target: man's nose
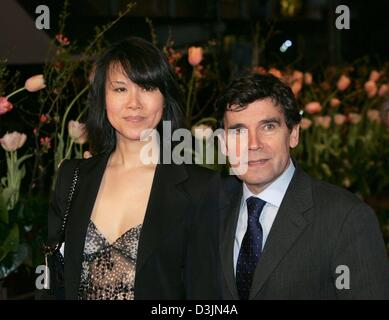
<point x="254" y="140"/>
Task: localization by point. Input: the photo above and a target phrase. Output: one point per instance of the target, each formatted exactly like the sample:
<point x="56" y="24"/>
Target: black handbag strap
<point x="72" y="190"/>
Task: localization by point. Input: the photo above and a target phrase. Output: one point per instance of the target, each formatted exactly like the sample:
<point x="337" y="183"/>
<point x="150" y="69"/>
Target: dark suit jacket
<point x="176" y="193"/>
<point x="318" y="227"/>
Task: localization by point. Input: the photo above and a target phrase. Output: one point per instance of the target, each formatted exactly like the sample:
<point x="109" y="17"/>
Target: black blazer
<point x="176" y="194"/>
<point x="318" y="227"/>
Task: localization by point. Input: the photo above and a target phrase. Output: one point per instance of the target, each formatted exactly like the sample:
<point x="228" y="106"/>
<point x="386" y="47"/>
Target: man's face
<point x="268" y="141"/>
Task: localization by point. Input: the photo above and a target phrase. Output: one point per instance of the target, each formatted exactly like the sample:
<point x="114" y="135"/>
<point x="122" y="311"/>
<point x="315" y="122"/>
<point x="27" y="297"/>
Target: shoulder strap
<point x="68" y="205"/>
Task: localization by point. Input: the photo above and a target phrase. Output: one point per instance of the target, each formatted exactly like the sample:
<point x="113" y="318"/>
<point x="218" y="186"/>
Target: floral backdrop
<point x="344" y="136"/>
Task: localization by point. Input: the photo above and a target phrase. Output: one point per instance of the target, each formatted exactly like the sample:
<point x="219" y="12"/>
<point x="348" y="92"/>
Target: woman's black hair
<point x="146" y="66"/>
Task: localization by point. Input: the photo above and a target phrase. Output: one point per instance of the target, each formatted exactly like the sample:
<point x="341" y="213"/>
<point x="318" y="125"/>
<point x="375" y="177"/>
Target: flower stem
<point x="15" y="92"/>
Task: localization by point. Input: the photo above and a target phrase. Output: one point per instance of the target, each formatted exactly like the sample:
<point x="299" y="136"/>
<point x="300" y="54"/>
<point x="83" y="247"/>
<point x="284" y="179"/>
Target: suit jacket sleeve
<point x="361" y="248"/>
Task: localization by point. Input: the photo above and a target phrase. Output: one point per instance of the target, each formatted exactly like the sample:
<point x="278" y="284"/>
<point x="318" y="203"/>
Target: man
<point x="282" y="233"/>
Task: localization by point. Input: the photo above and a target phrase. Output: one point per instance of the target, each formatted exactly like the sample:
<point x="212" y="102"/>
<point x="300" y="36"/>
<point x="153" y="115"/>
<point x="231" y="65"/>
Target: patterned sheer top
<point x="108" y="270"/>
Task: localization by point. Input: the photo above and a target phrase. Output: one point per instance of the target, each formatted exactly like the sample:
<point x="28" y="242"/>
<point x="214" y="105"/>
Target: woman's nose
<point x="134" y="101"/>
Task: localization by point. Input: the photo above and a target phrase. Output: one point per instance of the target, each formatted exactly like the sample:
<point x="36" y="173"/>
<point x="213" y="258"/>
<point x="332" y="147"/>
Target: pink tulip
<point x="324" y="122"/>
<point x="313" y="107"/>
<point x="13" y="141"/>
<point x="374" y="116"/>
<point x="340" y="119"/>
<point x="308" y="79"/>
<point x="195" y="55"/>
<point x="305" y="123"/>
<point x="5" y="105"/>
<point x="297" y="75"/>
<point x="77" y="131"/>
<point x="296" y="87"/>
<point x="374" y="75"/>
<point x="383" y="90"/>
<point x="354" y="118"/>
<point x="371" y="88"/>
<point x="43" y="118"/>
<point x="335" y="102"/>
<point x="45" y="142"/>
<point x="35" y="83"/>
<point x="275" y="72"/>
<point x="343" y="82"/>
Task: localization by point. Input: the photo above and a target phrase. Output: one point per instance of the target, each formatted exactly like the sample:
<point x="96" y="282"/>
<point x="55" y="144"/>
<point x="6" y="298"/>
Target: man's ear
<point x="294" y="136"/>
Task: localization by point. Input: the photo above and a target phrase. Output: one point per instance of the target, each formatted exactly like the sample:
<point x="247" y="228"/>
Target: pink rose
<point x="195" y="55"/>
<point x="371" y="88"/>
<point x="13" y="141"/>
<point x="340" y="119"/>
<point x="35" y="83"/>
<point x="5" y="105"/>
<point x="343" y="82"/>
<point x="313" y="107"/>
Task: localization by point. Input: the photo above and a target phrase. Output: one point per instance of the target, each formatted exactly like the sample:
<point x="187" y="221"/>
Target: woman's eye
<point x="148" y="89"/>
<point x="120" y="89"/>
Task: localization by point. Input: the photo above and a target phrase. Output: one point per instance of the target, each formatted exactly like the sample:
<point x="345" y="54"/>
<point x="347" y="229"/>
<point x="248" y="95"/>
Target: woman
<point x="127" y="232"/>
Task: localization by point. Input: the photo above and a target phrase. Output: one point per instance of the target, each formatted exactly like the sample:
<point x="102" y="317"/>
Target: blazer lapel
<point x="287" y="227"/>
<point x="91" y="174"/>
<point x="230" y="198"/>
<point x="168" y="200"/>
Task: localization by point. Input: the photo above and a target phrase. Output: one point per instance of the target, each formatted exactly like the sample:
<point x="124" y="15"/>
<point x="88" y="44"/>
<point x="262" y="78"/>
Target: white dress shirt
<point x="273" y="196"/>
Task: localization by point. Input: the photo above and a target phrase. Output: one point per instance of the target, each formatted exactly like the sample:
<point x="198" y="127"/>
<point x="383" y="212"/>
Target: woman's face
<point x="131" y="109"/>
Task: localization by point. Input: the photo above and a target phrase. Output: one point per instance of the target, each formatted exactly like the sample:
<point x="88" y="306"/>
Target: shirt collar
<point x="275" y="192"/>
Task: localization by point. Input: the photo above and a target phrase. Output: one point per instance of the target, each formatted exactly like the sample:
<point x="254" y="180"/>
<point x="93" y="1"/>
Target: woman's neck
<point x="132" y="154"/>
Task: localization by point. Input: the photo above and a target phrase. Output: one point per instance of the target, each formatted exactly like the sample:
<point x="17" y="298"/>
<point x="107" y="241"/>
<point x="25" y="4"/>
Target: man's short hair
<point x="245" y="90"/>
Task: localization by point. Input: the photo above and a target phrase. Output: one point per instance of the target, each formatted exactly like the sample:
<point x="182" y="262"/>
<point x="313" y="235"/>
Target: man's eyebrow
<point x="236" y="126"/>
<point x="270" y="120"/>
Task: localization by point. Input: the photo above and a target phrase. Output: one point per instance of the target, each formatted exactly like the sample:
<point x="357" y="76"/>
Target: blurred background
<point x="340" y="78"/>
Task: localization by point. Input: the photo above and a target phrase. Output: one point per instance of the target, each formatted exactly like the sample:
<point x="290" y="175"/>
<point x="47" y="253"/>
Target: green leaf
<point x="10" y="243"/>
<point x="17" y="257"/>
<point x="4" y="217"/>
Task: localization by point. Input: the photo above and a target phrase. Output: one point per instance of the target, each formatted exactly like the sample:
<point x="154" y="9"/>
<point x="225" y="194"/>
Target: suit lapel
<point x="168" y="200"/>
<point x="287" y="227"/>
<point x="91" y="174"/>
<point x="230" y="198"/>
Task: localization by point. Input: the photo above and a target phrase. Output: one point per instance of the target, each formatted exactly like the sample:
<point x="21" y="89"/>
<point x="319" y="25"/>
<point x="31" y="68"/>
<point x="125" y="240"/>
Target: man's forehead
<point x="258" y="110"/>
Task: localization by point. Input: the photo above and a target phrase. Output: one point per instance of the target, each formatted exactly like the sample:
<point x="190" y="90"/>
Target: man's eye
<point x="238" y="131"/>
<point x="269" y="126"/>
<point x="120" y="89"/>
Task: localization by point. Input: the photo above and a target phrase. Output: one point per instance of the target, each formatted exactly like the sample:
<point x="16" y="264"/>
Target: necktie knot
<point x="254" y="207"/>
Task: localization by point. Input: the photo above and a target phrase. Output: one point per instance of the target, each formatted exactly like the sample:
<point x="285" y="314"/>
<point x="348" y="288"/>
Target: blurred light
<point x="286" y="45"/>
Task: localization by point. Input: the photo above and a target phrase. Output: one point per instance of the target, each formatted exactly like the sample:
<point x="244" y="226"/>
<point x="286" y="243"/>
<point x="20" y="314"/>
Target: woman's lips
<point x="134" y="119"/>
